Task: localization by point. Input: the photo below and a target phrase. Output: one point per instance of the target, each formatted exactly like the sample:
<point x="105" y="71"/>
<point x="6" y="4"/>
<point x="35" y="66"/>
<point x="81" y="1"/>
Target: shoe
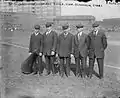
<point x="40" y="74"/>
<point x="48" y="73"/>
<point x="34" y="73"/>
<point x="84" y="75"/>
<point x="61" y="74"/>
<point x="101" y="77"/>
<point x="90" y="76"/>
<point x="77" y="75"/>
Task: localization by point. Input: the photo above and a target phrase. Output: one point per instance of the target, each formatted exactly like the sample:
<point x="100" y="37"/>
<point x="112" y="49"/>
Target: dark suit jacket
<point x="80" y="45"/>
<point x="65" y="45"/>
<point x="97" y="44"/>
<point x="49" y="42"/>
<point x="36" y="43"/>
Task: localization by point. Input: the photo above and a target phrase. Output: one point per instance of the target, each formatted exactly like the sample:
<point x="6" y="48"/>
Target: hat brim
<point x="37" y="28"/>
<point x="95" y="26"/>
<point x="79" y="27"/>
<point x="65" y="28"/>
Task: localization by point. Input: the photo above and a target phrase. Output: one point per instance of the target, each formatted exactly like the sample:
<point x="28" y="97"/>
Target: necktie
<point x="94" y="33"/>
<point x="48" y="32"/>
<point x="79" y="35"/>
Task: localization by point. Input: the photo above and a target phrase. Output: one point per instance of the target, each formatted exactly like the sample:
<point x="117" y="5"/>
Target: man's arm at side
<point x="104" y="41"/>
<point x="54" y="41"/>
<point x="30" y="45"/>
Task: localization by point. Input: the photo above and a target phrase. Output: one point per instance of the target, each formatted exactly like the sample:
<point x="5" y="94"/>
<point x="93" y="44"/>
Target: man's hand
<point x="30" y="53"/>
<point x="40" y="54"/>
<point x="52" y="53"/>
<point x="56" y="55"/>
<point x="71" y="55"/>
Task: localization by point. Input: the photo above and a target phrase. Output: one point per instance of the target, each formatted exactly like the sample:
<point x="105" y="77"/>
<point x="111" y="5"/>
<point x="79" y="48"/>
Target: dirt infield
<point x="19" y="85"/>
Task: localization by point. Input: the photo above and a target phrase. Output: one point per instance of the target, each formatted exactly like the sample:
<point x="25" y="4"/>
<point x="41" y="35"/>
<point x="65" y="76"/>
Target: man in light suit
<point x="36" y="45"/>
<point x="65" y="49"/>
<point x="80" y="51"/>
<point x="49" y="47"/>
<point x="97" y="43"/>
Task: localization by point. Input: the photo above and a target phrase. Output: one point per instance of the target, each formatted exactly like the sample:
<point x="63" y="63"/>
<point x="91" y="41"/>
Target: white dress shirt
<point x="36" y="34"/>
<point x="48" y="32"/>
<point x="79" y="34"/>
<point x="65" y="34"/>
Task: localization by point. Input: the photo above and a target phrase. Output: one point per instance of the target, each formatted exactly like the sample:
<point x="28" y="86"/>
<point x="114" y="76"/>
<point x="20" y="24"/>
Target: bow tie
<point x="66" y="33"/>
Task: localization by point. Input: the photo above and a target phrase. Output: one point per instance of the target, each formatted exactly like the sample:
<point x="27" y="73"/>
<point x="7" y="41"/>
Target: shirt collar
<point x="65" y="33"/>
<point x="48" y="31"/>
<point x="96" y="32"/>
<point x="80" y="33"/>
<point x="36" y="33"/>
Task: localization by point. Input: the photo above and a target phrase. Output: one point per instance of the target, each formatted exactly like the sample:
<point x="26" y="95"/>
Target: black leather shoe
<point x="48" y="73"/>
<point x="62" y="74"/>
<point x="40" y="74"/>
<point x="101" y="77"/>
<point x="90" y="76"/>
<point x="84" y="75"/>
<point x="34" y="73"/>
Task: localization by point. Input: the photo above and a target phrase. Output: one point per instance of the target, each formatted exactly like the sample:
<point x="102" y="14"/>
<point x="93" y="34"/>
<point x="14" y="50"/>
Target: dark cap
<point x="79" y="26"/>
<point x="48" y="24"/>
<point x="37" y="27"/>
<point x="96" y="24"/>
<point x="65" y="26"/>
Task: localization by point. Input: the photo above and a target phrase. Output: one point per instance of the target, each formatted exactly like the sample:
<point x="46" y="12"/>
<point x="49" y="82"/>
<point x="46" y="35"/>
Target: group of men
<point x="66" y="45"/>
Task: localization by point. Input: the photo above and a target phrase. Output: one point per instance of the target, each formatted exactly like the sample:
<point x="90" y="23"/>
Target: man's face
<point x="96" y="28"/>
<point x="67" y="30"/>
<point x="49" y="28"/>
<point x="36" y="30"/>
<point x="80" y="29"/>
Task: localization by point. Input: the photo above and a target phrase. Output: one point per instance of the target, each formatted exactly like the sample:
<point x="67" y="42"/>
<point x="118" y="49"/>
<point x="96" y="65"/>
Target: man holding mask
<point x="36" y="45"/>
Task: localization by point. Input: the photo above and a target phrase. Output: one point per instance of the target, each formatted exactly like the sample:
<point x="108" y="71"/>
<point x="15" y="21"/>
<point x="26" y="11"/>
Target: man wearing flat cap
<point x="36" y="45"/>
<point x="97" y="43"/>
<point x="65" y="49"/>
<point x="49" y="47"/>
<point x="80" y="51"/>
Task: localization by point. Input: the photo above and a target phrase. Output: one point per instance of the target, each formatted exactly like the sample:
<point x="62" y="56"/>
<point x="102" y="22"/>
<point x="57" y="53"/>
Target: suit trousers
<point x="100" y="62"/>
<point x="37" y="66"/>
<point x="65" y="68"/>
<point x="50" y="64"/>
<point x="81" y="63"/>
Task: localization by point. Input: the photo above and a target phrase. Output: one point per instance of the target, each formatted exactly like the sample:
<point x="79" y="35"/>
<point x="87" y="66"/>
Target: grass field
<point x="28" y="86"/>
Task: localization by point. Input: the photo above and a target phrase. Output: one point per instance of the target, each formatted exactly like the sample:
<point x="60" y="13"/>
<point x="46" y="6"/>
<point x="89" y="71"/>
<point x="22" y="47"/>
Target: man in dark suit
<point x="80" y="51"/>
<point x="65" y="49"/>
<point x="49" y="47"/>
<point x="97" y="43"/>
<point x="36" y="45"/>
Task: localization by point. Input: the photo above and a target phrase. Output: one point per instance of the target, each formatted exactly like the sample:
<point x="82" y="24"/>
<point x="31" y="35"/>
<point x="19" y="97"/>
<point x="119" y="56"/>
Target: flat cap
<point x="48" y="24"/>
<point x="79" y="25"/>
<point x="37" y="27"/>
<point x="96" y="24"/>
<point x="65" y="26"/>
